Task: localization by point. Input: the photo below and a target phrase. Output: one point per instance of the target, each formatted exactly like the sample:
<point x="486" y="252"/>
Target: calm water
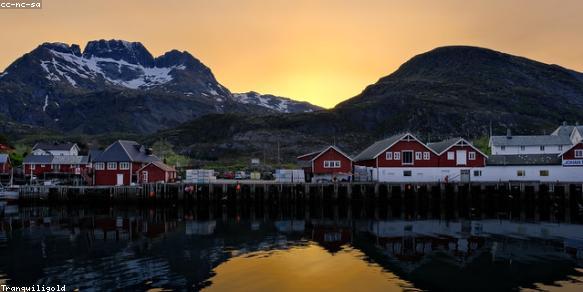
<point x="288" y="248"/>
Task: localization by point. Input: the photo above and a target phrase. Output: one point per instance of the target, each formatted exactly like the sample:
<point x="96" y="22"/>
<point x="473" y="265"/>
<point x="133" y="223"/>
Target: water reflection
<point x="286" y="247"/>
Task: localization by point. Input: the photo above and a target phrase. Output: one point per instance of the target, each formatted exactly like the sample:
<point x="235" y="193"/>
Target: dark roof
<point x="94" y="153"/>
<point x="524" y="159"/>
<point x="375" y="149"/>
<point x="563" y="130"/>
<point x="442" y="145"/>
<point x="53" y="146"/>
<point x="38" y="159"/>
<point x="530" y="140"/>
<point x="122" y="151"/>
<point x="4" y="158"/>
<point x="56" y="159"/>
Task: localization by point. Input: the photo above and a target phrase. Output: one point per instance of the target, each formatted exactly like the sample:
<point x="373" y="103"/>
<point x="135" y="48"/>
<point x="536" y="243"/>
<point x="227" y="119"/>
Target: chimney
<point x="508" y="134"/>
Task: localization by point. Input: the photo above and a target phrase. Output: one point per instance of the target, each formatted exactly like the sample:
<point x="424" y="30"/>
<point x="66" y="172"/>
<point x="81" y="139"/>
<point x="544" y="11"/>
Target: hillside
<point x="445" y="92"/>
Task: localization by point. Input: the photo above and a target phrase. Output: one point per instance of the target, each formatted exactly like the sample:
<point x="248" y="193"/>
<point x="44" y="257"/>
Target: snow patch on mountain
<point x="276" y="103"/>
<point x="69" y="66"/>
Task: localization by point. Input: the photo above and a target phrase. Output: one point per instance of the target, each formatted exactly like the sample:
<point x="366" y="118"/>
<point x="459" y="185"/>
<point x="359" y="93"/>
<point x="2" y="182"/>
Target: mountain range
<point x="118" y="86"/>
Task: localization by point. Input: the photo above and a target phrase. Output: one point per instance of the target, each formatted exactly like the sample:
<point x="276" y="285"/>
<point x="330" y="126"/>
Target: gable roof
<point x="161" y="165"/>
<point x="540" y="140"/>
<point x="523" y="159"/>
<point x="381" y="146"/>
<point x="563" y="130"/>
<point x="4" y="158"/>
<point x="54" y="146"/>
<point x="443" y="146"/>
<point x="123" y="151"/>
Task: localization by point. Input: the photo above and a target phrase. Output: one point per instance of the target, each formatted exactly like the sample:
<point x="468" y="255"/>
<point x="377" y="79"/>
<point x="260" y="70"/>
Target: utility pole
<point x="278" y="154"/>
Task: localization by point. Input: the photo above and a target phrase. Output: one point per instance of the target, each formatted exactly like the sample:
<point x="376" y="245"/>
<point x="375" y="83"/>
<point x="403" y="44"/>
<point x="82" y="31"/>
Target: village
<point x="401" y="158"/>
<point x="557" y="157"/>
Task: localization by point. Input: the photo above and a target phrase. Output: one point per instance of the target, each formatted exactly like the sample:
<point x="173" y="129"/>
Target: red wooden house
<point x="120" y="162"/>
<point x="329" y="164"/>
<point x="59" y="166"/>
<point x="404" y="158"/>
<point x="156" y="171"/>
<point x="5" y="164"/>
<point x="402" y="150"/>
<point x="457" y="152"/>
<point x="573" y="156"/>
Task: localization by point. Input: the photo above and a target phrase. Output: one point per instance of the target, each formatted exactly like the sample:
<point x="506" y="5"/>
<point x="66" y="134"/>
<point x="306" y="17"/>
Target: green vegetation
<point x="20" y="151"/>
<point x="165" y="151"/>
<point x="482" y="144"/>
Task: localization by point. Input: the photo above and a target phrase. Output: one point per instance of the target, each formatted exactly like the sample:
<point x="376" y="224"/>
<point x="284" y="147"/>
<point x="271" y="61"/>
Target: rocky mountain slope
<point x="114" y="86"/>
<point x="449" y="91"/>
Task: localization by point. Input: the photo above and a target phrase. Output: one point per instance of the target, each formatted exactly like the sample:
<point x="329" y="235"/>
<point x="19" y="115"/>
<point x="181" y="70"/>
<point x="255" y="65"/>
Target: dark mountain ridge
<point x="446" y="92"/>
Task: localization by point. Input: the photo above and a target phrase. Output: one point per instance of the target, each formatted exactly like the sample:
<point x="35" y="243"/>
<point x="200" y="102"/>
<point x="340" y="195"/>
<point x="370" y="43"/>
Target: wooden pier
<point x="255" y="191"/>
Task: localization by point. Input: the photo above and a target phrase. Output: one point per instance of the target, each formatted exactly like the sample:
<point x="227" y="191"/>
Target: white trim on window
<point x="124" y="165"/>
<point x="472" y="155"/>
<point x="450" y="155"/>
<point x="578" y="153"/>
<point x="426" y="155"/>
<point x="389" y="155"/>
<point x="397" y="155"/>
<point x="521" y="172"/>
<point x="32" y="166"/>
<point x="99" y="166"/>
<point x="332" y="163"/>
<point x="111" y="165"/>
<point x="418" y="155"/>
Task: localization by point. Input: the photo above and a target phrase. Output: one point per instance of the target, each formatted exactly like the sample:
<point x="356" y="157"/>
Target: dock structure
<point x="567" y="196"/>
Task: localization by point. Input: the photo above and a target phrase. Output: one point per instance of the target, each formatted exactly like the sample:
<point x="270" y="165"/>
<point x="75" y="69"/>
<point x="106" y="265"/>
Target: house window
<point x="55" y="166"/>
<point x="579" y="153"/>
<point x="407" y="157"/>
<point x="42" y="165"/>
<point x="144" y="176"/>
<point x="450" y="155"/>
<point x="542" y="148"/>
<point x="544" y="172"/>
<point x="472" y="155"/>
<point x="426" y="156"/>
<point x="560" y="147"/>
<point x="522" y="148"/>
<point x="389" y="155"/>
<point x="406" y="173"/>
<point x="99" y="166"/>
<point x="331" y="164"/>
<point x="477" y="173"/>
<point x="32" y="166"/>
<point x="124" y="165"/>
<point x="111" y="165"/>
<point x="397" y="155"/>
<point x="418" y="155"/>
<point x="520" y="172"/>
<point x="502" y="148"/>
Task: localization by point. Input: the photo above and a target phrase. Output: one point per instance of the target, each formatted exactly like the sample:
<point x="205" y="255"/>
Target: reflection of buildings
<point x="411" y="242"/>
<point x="330" y="234"/>
<point x="200" y="227"/>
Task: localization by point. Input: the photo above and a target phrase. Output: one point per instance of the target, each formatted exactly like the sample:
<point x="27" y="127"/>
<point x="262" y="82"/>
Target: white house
<point x="55" y="149"/>
<point x="520" y="145"/>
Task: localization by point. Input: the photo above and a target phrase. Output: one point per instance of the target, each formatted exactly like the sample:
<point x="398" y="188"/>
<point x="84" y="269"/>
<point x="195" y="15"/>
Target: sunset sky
<point x="319" y="51"/>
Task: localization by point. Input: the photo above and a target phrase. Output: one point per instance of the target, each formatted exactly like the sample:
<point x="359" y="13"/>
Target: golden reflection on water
<point x="574" y="284"/>
<point x="309" y="268"/>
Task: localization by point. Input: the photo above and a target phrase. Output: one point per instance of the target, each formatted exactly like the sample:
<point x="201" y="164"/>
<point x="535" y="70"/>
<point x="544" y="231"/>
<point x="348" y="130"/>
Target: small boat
<point x="8" y="194"/>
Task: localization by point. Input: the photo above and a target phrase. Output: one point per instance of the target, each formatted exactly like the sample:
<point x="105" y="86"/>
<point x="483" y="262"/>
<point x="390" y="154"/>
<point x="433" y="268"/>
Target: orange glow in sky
<point x="321" y="51"/>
